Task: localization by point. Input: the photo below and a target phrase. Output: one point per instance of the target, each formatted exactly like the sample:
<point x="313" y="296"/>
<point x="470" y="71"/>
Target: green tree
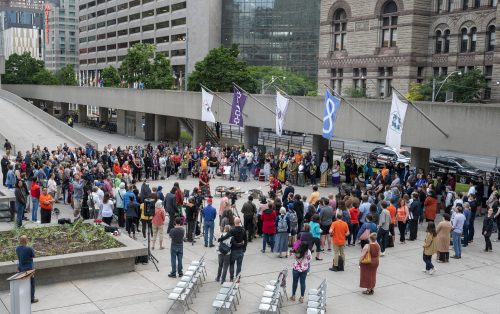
<point x="45" y="77"/>
<point x="21" y="69"/>
<point x="110" y="77"/>
<point x="293" y="83"/>
<point x="67" y="76"/>
<point x="219" y="69"/>
<point x="136" y="65"/>
<point x="466" y="87"/>
<point x="415" y="92"/>
<point x="160" y="76"/>
<point x="354" y="92"/>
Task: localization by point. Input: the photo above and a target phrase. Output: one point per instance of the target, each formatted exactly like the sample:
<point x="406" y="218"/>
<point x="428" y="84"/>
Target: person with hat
<point x="209" y="213"/>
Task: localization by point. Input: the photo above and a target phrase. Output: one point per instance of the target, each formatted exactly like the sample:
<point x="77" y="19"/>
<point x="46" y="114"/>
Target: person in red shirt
<point x="339" y="230"/>
<point x="354" y="226"/>
<point x="268" y="218"/>
<point x="35" y="199"/>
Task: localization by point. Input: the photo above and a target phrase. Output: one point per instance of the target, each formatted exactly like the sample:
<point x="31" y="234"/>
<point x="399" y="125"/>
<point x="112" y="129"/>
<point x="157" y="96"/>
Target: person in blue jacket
<point x="370" y="225"/>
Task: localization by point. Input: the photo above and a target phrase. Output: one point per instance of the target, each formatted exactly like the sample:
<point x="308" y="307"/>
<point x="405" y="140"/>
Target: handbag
<point x="365" y="235"/>
<point x="367" y="259"/>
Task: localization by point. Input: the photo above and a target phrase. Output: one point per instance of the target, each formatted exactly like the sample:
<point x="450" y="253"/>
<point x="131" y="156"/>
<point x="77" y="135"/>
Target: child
<point x="429" y="248"/>
<point x="488" y="229"/>
<point x="316" y="232"/>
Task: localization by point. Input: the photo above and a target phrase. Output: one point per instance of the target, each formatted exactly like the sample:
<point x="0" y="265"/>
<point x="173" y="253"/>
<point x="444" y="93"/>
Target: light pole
<point x="434" y="93"/>
<point x="264" y="85"/>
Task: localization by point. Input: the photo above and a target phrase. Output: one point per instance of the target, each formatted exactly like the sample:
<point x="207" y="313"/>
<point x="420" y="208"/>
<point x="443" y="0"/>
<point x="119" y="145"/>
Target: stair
<point x="210" y="132"/>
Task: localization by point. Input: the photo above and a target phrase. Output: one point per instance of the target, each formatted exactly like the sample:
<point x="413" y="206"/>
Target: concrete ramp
<point x="26" y="126"/>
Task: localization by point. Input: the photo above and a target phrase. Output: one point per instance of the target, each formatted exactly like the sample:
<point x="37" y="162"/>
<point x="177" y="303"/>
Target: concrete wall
<point x="470" y="126"/>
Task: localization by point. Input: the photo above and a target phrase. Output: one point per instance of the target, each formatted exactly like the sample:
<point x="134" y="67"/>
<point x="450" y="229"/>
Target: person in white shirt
<point x="94" y="203"/>
<point x="107" y="209"/>
<point x="52" y="186"/>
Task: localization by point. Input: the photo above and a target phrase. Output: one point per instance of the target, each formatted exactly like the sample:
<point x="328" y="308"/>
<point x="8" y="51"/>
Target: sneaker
<point x="181" y="274"/>
<point x="211" y="245"/>
<point x="425" y="270"/>
<point x="431" y="271"/>
<point x="382" y="254"/>
<point x="292" y="298"/>
<point x="34" y="301"/>
<point x="172" y="275"/>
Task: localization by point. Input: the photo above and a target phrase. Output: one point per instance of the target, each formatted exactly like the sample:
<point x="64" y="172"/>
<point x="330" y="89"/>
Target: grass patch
<point x="462" y="187"/>
<point x="57" y="240"/>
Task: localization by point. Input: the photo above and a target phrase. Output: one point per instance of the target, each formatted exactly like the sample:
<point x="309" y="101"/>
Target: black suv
<point x="461" y="168"/>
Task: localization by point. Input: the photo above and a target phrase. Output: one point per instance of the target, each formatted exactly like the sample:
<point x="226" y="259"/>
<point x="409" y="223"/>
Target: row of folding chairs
<point x="189" y="284"/>
<point x="316" y="300"/>
<point x="228" y="297"/>
<point x="272" y="297"/>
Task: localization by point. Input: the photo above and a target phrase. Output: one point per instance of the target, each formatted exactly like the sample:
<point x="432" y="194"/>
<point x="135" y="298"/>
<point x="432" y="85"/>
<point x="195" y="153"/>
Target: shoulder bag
<point x="367" y="259"/>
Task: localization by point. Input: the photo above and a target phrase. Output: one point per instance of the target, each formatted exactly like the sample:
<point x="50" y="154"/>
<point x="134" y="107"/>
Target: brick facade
<point x="392" y="43"/>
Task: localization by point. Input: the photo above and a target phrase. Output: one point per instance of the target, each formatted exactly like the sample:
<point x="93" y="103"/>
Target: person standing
<point x="384" y="222"/>
<point x="353" y="224"/>
<point x="171" y="208"/>
<point x="10" y="180"/>
<point x="106" y="210"/>
<point x="132" y="215"/>
<point x="224" y="258"/>
<point x="35" y="199"/>
<point x="301" y="266"/>
<point x="224" y="205"/>
<point x="364" y="235"/>
<point x="238" y="247"/>
<point x="429" y="248"/>
<point x="209" y="213"/>
<point x="176" y="248"/>
<point x="488" y="229"/>
<point x="46" y="206"/>
<point x="326" y="216"/>
<point x="443" y="238"/>
<point x="457" y="229"/>
<point x="339" y="230"/>
<point x="402" y="217"/>
<point x="249" y="211"/>
<point x="25" y="255"/>
<point x="268" y="218"/>
<point x="413" y="216"/>
<point x="316" y="234"/>
<point x="77" y="196"/>
<point x="20" y="203"/>
<point x="120" y="204"/>
<point x="282" y="229"/>
<point x="5" y="167"/>
<point x="158" y="222"/>
<point x="368" y="271"/>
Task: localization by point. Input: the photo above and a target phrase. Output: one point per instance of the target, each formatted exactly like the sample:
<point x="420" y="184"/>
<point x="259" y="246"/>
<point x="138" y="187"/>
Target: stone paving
<point x="470" y="285"/>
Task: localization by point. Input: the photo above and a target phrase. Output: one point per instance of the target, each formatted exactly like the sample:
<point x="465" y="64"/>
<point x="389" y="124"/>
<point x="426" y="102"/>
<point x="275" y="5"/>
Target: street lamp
<point x="434" y="93"/>
<point x="264" y="85"/>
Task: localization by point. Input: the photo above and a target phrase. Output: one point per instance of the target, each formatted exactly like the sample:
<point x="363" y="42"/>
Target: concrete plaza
<point x="470" y="285"/>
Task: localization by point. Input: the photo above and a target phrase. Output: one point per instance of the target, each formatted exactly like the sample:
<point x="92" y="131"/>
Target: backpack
<point x="292" y="217"/>
<point x="282" y="225"/>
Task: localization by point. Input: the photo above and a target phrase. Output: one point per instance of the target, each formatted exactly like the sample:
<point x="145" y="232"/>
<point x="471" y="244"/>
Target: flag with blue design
<point x="332" y="105"/>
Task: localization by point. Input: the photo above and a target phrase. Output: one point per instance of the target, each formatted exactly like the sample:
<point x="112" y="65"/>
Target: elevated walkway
<point x="26" y="126"/>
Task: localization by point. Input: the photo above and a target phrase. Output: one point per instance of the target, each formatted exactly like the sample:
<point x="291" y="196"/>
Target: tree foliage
<point x="219" y="69"/>
<point x="67" y="76"/>
<point x="21" y="69"/>
<point x="415" y="92"/>
<point x="45" y="77"/>
<point x="110" y="77"/>
<point x="292" y="83"/>
<point x="141" y="65"/>
<point x="466" y="87"/>
<point x="354" y="92"/>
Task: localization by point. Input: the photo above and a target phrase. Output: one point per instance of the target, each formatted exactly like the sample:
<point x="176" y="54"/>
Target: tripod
<point x="151" y="257"/>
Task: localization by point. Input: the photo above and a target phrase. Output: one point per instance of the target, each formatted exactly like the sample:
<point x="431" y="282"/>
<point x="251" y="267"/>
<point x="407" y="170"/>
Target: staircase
<point x="210" y="132"/>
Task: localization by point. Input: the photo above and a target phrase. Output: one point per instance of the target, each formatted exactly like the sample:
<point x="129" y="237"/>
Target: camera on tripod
<point x="149" y="207"/>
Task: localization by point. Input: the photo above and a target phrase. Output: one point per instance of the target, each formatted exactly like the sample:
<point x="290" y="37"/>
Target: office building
<point x="377" y="45"/>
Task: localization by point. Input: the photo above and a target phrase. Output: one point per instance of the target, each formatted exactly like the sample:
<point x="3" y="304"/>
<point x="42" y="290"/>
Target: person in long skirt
<point x="323" y="169"/>
<point x="368" y="272"/>
<point x="282" y="231"/>
<point x="336" y="173"/>
<point x="443" y="239"/>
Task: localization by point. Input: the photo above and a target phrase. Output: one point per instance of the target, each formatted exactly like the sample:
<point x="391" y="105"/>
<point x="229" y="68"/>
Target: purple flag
<point x="239" y="100"/>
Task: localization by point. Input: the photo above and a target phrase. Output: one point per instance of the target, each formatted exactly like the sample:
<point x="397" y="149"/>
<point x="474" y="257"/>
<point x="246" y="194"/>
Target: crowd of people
<point x="115" y="185"/>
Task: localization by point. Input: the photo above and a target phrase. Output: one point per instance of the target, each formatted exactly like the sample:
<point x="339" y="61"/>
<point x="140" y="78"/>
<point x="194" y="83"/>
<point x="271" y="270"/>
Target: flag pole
<point x="354" y="107"/>
<point x="215" y="94"/>
<point x="298" y="103"/>
<point x="254" y="98"/>
<point x="421" y="112"/>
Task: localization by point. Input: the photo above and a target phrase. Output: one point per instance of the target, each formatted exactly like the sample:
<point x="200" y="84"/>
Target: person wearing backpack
<point x="293" y="224"/>
<point x="282" y="231"/>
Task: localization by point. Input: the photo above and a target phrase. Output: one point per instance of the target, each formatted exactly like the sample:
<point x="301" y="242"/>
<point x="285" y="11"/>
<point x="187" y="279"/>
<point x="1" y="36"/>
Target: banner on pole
<point x="332" y="105"/>
<point x="396" y="121"/>
<point x="239" y="100"/>
<point x="206" y="106"/>
<point x="281" y="106"/>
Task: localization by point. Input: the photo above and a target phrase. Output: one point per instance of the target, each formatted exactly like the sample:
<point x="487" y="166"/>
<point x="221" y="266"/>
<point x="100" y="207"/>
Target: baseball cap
<point x="209" y="200"/>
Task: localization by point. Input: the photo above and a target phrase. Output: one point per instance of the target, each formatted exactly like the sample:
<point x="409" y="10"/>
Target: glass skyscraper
<point x="282" y="33"/>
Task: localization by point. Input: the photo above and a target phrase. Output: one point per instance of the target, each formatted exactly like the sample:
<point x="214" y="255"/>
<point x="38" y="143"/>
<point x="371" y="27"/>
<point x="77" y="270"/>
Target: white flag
<point x="206" y="106"/>
<point x="396" y="120"/>
<point x="281" y="106"/>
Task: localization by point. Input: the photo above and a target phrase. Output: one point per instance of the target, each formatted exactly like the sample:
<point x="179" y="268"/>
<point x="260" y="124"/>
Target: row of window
<point x="468" y="40"/>
<point x="164" y="24"/>
<point x="447" y="5"/>
<point x="173" y="53"/>
<point x="157" y="40"/>
<point x="110" y="10"/>
<point x="131" y="31"/>
<point x="131" y="4"/>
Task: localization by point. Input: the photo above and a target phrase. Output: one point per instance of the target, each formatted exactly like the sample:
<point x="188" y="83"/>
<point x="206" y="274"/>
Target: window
<point x="464" y="41"/>
<point x="420" y="74"/>
<point x="134" y="30"/>
<point x="439" y="42"/>
<point x="122" y="6"/>
<point x="101" y="48"/>
<point x="101" y="24"/>
<point x="101" y="36"/>
<point x="149" y="27"/>
<point x="491" y="38"/>
<point x="82" y="29"/>
<point x="134" y="17"/>
<point x="488" y="73"/>
<point x="444" y="71"/>
<point x="473" y="39"/>
<point x="91" y="49"/>
<point x="178" y="6"/>
<point x="122" y="45"/>
<point x="91" y="26"/>
<point x="450" y="5"/>
<point x="389" y="24"/>
<point x="122" y="19"/>
<point x="337" y="77"/>
<point x="146" y="1"/>
<point x="162" y="10"/>
<point x="177" y="22"/>
<point x="111" y="47"/>
<point x="91" y="38"/>
<point x="162" y="25"/>
<point x="110" y="10"/>
<point x="111" y="22"/>
<point x="82" y="7"/>
<point x="148" y="13"/>
<point x="101" y="60"/>
<point x="465" y="4"/>
<point x="111" y="35"/>
<point x="162" y="40"/>
<point x="134" y="3"/>
<point x="132" y="43"/>
<point x="339" y="29"/>
<point x="446" y="48"/>
<point x="477" y="4"/>
<point x="111" y="59"/>
<point x="101" y="12"/>
<point x="493" y="3"/>
<point x="385" y="81"/>
<point x="83" y="39"/>
<point x="83" y="50"/>
<point x="148" y="41"/>
<point x="120" y="58"/>
<point x="123" y="32"/>
<point x="440" y="6"/>
<point x="179" y="37"/>
<point x="359" y="78"/>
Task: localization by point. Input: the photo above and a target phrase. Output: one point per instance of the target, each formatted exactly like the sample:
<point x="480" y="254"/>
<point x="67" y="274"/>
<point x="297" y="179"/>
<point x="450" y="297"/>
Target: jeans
<point x="19" y="214"/>
<point x="176" y="258"/>
<point x="208" y="226"/>
<point x="131" y="225"/>
<point x="428" y="262"/>
<point x="457" y="245"/>
<point x="296" y="276"/>
<point x="382" y="236"/>
<point x="34" y="208"/>
<point x="267" y="238"/>
<point x="171" y="222"/>
<point x="224" y="261"/>
<point x="236" y="257"/>
<point x="353" y="231"/>
<point x="471" y="226"/>
<point x="466" y="236"/>
<point x="243" y="174"/>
